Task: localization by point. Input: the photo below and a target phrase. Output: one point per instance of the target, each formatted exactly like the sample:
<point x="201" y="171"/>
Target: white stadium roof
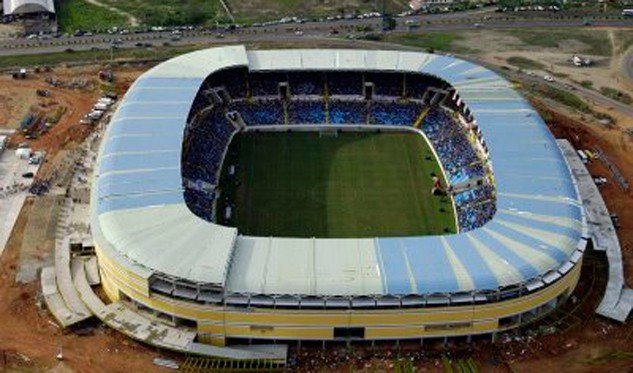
<point x="27" y="6"/>
<point x="139" y="215"/>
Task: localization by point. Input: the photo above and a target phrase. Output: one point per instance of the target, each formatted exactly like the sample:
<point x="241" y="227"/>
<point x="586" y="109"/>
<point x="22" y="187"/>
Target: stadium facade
<point x="154" y="251"/>
<point x="21" y="7"/>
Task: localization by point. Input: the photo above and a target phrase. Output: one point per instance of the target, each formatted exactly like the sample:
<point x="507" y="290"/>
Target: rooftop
<point x="140" y="218"/>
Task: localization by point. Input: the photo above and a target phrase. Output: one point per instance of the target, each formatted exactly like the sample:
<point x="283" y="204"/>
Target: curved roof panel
<point x="140" y="216"/>
<point x="28" y="6"/>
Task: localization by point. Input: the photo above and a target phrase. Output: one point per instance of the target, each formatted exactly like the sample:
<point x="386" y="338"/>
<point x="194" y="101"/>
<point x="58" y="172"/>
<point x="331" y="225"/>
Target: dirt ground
<point x="77" y="89"/>
<point x="30" y="339"/>
<point x="29" y="336"/>
<point x="617" y="145"/>
<point x="7" y="30"/>
<point x="605" y="71"/>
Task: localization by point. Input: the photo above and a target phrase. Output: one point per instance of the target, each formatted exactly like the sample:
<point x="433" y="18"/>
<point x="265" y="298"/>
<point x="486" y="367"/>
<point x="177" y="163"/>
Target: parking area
<point x="13" y="190"/>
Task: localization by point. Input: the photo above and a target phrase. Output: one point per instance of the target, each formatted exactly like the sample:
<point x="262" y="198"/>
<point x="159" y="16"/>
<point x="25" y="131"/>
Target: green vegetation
<point x="371" y="37"/>
<point x="403" y="366"/>
<point x="431" y="41"/>
<point x="56" y="115"/>
<point x="266" y="10"/>
<point x="596" y="41"/>
<point x="624" y="38"/>
<point x="587" y="84"/>
<point x="80" y="15"/>
<point x="459" y="365"/>
<point x="616" y="95"/>
<point x="525" y="63"/>
<point x="564" y="97"/>
<point x="558" y="74"/>
<point x="350" y="185"/>
<point x="173" y="12"/>
<point x="96" y="56"/>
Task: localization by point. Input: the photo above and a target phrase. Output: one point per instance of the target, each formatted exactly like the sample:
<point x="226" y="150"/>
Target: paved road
<point x="321" y="30"/>
<point x="627" y="65"/>
<point x="590" y="95"/>
<point x="444" y="22"/>
<point x="11" y="170"/>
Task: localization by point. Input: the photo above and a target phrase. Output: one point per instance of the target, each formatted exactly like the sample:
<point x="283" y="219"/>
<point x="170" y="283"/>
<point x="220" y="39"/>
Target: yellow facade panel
<point x="263" y="331"/>
<point x="217" y="322"/>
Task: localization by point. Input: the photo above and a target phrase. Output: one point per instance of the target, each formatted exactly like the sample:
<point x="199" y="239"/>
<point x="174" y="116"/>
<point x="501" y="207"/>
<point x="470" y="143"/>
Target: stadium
<point x="333" y="195"/>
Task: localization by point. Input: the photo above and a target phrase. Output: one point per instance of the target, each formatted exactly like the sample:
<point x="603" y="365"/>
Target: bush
<point x="587" y="84"/>
<point x="616" y="95"/>
<point x="56" y="116"/>
<point x="565" y="98"/>
<point x="371" y="37"/>
<point x="525" y="63"/>
<point x="79" y="15"/>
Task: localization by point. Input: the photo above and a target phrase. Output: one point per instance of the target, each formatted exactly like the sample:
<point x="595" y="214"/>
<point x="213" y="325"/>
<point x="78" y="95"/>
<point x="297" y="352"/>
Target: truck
<point x="3" y="143"/>
<point x="580" y="61"/>
<point x="105" y="101"/>
<point x="101" y="106"/>
<point x="20" y="74"/>
<point x="95" y="114"/>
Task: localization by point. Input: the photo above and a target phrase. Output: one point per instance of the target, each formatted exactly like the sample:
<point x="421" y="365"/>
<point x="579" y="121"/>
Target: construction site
<point x="56" y="117"/>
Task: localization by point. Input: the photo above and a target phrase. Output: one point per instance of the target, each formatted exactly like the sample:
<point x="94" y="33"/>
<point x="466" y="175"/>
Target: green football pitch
<point x="304" y="184"/>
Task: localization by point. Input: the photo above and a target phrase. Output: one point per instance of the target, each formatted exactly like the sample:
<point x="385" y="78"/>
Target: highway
<point x="480" y="19"/>
<point x="297" y="31"/>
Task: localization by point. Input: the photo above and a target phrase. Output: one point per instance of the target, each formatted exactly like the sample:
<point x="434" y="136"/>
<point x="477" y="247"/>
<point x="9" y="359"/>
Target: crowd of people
<point x="470" y="172"/>
<point x="200" y="202"/>
<point x="259" y="112"/>
<point x="347" y="112"/>
<point x="461" y="163"/>
<point x="208" y="138"/>
<point x="267" y="111"/>
<point x="265" y="84"/>
<point x="449" y="141"/>
<point x="386" y="84"/>
<point x="205" y="144"/>
<point x="241" y="83"/>
<point x="234" y="81"/>
<point x="345" y="84"/>
<point x="397" y="113"/>
<point x="475" y="215"/>
<point x="307" y="83"/>
<point x="306" y="112"/>
<point x="473" y="196"/>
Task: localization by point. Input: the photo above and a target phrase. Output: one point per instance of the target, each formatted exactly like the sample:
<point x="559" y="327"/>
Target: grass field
<point x="79" y="14"/>
<point x="595" y="41"/>
<point x="264" y="10"/>
<point x="354" y="185"/>
<point x="173" y="12"/>
<point x="525" y="63"/>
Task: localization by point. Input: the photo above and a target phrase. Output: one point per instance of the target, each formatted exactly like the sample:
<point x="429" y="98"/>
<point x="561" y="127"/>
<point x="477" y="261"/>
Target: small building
<point x="28" y="7"/>
<point x="23" y="153"/>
